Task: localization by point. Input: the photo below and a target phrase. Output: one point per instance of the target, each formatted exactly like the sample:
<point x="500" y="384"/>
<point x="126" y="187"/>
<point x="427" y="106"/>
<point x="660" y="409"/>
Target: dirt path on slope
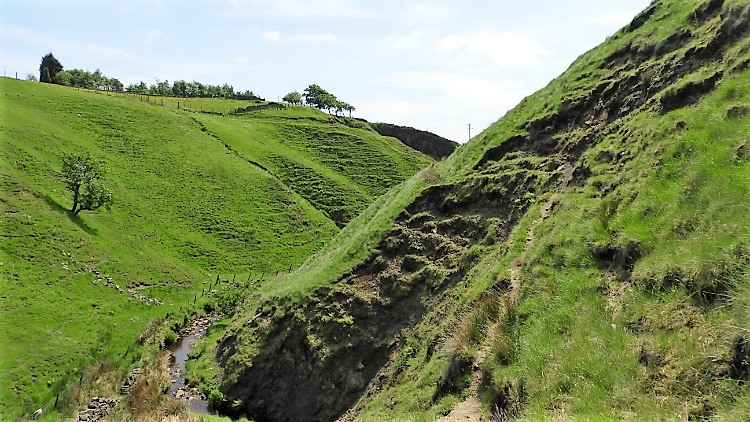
<point x="470" y="409"/>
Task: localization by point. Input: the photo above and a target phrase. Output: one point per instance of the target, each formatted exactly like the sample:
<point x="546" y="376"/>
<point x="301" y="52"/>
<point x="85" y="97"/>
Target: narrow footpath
<point x="470" y="409"/>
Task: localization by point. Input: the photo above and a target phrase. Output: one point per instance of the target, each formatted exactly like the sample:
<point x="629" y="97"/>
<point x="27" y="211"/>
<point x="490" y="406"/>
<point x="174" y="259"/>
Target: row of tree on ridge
<point x="51" y="71"/>
<point x="317" y="97"/>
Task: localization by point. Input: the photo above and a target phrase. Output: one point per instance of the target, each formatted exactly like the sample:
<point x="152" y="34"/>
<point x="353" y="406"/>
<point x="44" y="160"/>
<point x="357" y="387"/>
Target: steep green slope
<point x="187" y="207"/>
<point x="586" y="257"/>
<point x="338" y="164"/>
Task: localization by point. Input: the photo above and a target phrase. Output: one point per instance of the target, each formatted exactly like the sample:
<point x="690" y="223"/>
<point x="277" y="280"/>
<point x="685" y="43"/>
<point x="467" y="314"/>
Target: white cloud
<point x="277" y="37"/>
<point x="303" y="9"/>
<point x="451" y="85"/>
<point x="506" y="49"/>
<point x="150" y="35"/>
<point x="406" y="41"/>
<point x="422" y="13"/>
<point x="326" y="38"/>
<point x="271" y="36"/>
<point x="51" y="42"/>
<point x="443" y="102"/>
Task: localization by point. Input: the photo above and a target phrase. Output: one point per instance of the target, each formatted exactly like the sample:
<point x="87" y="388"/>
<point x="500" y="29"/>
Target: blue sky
<point x="435" y="65"/>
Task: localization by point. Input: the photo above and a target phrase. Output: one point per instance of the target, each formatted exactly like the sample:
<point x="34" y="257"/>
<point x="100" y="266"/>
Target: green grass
<point x="336" y="163"/>
<point x="592" y="338"/>
<point x="212" y="105"/>
<point x="596" y="339"/>
<point x="186" y="209"/>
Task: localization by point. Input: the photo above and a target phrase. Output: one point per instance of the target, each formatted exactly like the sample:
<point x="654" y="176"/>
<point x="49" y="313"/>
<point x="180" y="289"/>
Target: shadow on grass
<point x="73" y="217"/>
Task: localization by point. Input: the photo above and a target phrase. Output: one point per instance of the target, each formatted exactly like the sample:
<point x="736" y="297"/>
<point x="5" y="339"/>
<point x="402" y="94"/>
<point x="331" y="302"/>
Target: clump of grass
<point x="502" y="334"/>
<point x="606" y="212"/>
<point x="150" y="332"/>
<point x="429" y="175"/>
<point x="472" y="328"/>
<point x="146" y="400"/>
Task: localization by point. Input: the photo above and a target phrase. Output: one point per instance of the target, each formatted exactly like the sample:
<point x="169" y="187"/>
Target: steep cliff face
<point x="553" y="266"/>
<point x="425" y="142"/>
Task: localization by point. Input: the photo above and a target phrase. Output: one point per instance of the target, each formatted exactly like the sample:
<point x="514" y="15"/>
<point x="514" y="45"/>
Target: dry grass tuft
<point x="471" y="329"/>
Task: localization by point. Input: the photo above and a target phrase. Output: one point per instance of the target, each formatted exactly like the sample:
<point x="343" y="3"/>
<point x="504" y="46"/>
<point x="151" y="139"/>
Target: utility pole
<point x="470" y="131"/>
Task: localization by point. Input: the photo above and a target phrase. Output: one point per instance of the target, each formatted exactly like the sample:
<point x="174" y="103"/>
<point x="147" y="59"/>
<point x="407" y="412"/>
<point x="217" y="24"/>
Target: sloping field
<point x="338" y="164"/>
<point x="187" y="207"/>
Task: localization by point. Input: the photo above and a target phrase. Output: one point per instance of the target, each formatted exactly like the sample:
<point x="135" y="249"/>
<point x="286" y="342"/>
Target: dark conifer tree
<point x="53" y="67"/>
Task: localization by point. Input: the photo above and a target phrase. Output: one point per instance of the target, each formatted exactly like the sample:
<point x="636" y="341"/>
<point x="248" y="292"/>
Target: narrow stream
<point x="180" y="349"/>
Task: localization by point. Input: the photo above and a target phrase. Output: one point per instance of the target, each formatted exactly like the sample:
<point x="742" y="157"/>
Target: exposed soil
<point x="314" y="358"/>
<point x="327" y="349"/>
<point x="470" y="409"/>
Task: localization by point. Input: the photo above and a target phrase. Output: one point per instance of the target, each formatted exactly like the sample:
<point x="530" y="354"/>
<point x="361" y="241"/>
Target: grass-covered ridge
<point x="189" y="205"/>
<point x="586" y="257"/>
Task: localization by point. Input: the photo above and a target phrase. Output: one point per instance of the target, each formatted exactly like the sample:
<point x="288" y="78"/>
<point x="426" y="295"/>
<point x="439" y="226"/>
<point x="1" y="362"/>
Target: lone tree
<point x="293" y="97"/>
<point x="82" y="176"/>
<point x="49" y="69"/>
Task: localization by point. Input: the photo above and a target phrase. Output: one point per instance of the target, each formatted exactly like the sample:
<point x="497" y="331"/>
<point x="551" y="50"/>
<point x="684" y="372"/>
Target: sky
<point x="435" y="65"/>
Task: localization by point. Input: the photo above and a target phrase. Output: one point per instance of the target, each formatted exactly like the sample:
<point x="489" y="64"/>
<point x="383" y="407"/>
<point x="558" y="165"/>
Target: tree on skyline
<point x="52" y="66"/>
<point x="293" y="97"/>
<point x="323" y="100"/>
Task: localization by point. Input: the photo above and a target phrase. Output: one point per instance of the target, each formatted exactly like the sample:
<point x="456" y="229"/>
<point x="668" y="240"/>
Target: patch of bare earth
<point x="470" y="409"/>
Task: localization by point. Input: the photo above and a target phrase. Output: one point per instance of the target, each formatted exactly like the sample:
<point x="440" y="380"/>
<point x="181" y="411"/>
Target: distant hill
<point x="427" y="143"/>
<point x="586" y="257"/>
<point x="198" y="197"/>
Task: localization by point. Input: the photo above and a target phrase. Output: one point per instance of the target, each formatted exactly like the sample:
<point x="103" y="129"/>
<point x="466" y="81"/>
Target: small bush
<point x="169" y="338"/>
<point x="216" y="398"/>
<point x="502" y="336"/>
<point x="146" y="397"/>
<point x="506" y="400"/>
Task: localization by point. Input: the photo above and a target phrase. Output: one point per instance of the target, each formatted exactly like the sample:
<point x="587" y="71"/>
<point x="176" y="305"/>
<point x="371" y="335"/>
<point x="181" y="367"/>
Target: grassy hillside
<point x="188" y="205"/>
<point x="586" y="257"/>
<point x="338" y="164"/>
